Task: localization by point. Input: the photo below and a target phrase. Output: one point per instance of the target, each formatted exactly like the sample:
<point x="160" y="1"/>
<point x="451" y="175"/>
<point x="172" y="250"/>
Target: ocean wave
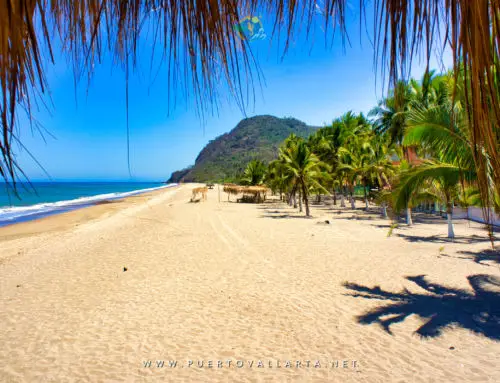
<point x="9" y="215"/>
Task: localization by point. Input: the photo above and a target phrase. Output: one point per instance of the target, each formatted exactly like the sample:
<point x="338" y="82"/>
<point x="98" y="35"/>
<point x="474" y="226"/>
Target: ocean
<point x="48" y="198"/>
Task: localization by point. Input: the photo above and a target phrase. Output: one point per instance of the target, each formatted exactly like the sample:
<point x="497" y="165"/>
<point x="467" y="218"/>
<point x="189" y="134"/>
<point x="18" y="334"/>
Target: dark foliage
<point x="255" y="138"/>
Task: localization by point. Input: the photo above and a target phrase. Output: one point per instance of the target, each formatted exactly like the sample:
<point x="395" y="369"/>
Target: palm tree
<point x="443" y="132"/>
<point x="254" y="173"/>
<point x="379" y="168"/>
<point x="305" y="168"/>
<point x="344" y="137"/>
<point x="352" y="161"/>
<point x="354" y="151"/>
<point x="391" y="113"/>
<point x="437" y="179"/>
<point x="277" y="178"/>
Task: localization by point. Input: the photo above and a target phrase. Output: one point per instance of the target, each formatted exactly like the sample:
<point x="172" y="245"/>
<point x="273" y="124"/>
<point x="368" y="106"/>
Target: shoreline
<point x="46" y="209"/>
<point x="73" y="218"/>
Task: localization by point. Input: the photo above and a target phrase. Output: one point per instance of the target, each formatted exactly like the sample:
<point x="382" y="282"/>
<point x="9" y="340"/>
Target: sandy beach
<point x="242" y="289"/>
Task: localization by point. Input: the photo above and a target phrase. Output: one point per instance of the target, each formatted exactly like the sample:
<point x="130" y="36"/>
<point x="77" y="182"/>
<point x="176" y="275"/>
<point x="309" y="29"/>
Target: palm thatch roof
<point x="200" y="34"/>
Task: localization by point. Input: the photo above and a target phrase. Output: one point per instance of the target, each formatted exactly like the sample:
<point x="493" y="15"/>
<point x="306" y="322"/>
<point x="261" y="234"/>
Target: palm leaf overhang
<point x="415" y="179"/>
<point x="200" y="33"/>
<point x="445" y="134"/>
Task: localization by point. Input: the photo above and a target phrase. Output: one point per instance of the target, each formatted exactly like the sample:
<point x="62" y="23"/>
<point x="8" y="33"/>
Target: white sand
<point x="224" y="281"/>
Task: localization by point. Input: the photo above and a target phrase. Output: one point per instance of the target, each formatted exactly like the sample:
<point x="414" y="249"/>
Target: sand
<point x="256" y="285"/>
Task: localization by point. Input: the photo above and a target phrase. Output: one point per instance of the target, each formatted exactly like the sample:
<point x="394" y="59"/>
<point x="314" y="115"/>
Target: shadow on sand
<point x="284" y="216"/>
<point x="443" y="239"/>
<point x="490" y="255"/>
<point x="477" y="311"/>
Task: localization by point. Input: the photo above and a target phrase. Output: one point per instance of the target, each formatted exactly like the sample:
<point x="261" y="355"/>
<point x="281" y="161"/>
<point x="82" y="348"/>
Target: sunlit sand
<point x="101" y="291"/>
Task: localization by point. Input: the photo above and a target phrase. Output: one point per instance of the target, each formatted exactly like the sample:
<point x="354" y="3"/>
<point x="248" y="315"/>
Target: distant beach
<point x="154" y="287"/>
<point x="41" y="199"/>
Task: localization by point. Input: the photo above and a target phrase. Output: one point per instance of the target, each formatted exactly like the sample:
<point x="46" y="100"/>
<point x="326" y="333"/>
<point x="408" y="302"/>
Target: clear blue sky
<point x="313" y="84"/>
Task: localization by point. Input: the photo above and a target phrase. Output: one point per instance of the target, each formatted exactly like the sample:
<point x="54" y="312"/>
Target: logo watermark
<point x="250" y="28"/>
<point x="344" y="364"/>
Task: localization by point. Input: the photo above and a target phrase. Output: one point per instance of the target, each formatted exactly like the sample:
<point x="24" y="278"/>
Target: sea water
<point x="48" y="198"/>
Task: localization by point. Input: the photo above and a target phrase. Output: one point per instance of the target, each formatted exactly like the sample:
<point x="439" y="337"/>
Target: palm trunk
<point x="334" y="198"/>
<point x="295" y="200"/>
<point x="366" y="197"/>
<point x="353" y="206"/>
<point x="409" y="220"/>
<point x="384" y="210"/>
<point x="449" y="216"/>
<point x="300" y="202"/>
<point x="342" y="200"/>
<point x="318" y="198"/>
<point x="292" y="196"/>
<point x="451" y="233"/>
<point x="306" y="201"/>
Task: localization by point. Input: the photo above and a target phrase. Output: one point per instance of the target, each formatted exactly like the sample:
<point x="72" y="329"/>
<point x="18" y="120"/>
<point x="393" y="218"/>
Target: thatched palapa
<point x="253" y="193"/>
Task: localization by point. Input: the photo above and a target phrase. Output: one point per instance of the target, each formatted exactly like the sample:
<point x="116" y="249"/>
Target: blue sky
<point x="312" y="83"/>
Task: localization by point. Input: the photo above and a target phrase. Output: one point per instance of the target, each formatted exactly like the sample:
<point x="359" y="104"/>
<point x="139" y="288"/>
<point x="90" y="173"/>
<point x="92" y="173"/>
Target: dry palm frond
<point x="200" y="34"/>
<point x="232" y="189"/>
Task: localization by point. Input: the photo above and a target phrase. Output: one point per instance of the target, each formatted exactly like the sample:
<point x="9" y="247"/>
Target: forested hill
<point x="225" y="157"/>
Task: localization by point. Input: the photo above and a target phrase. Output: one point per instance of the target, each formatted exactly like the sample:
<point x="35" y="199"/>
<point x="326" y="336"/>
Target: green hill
<point x="225" y="157"/>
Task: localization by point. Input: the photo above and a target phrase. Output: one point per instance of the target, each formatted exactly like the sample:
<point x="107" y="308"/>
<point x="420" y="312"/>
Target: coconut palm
<point x="436" y="179"/>
<point x="349" y="138"/>
<point x="378" y="167"/>
<point x="469" y="196"/>
<point x="354" y="151"/>
<point x="442" y="130"/>
<point x="391" y="113"/>
<point x="277" y="177"/>
<point x="254" y="173"/>
<point x="305" y="168"/>
<point x="352" y="164"/>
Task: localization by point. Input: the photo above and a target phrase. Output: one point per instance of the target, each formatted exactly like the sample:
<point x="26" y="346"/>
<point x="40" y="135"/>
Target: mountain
<point x="225" y="158"/>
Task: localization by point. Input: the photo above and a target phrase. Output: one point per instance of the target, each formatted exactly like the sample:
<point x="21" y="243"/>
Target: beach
<point x="228" y="291"/>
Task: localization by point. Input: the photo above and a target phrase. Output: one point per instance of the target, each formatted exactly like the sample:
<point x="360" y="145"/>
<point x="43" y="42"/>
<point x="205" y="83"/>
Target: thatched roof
<point x="200" y="34"/>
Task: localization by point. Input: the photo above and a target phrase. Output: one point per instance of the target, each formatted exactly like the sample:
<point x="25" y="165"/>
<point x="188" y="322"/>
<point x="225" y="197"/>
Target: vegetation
<point x="416" y="150"/>
<point x="257" y="138"/>
<point x="254" y="173"/>
<point x="303" y="169"/>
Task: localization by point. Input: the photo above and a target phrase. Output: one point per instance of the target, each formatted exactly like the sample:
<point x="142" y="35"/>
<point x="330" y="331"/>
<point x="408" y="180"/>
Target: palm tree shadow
<point x="443" y="239"/>
<point x="489" y="255"/>
<point x="477" y="311"/>
<point x="285" y="216"/>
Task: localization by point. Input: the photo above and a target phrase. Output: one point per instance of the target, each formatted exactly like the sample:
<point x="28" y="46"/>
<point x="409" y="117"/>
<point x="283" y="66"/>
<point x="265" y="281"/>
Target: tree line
<point x="415" y="148"/>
